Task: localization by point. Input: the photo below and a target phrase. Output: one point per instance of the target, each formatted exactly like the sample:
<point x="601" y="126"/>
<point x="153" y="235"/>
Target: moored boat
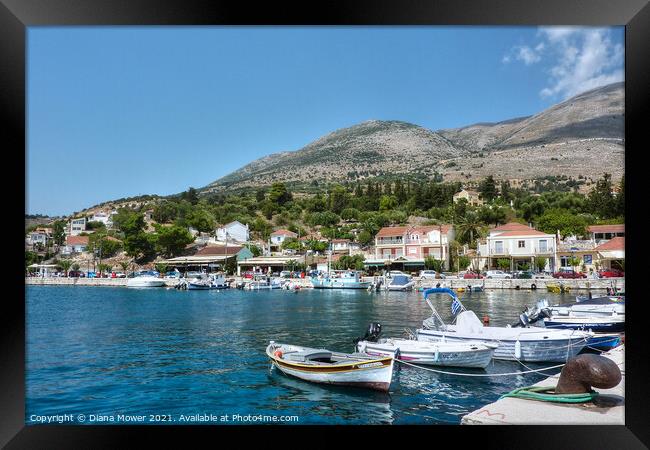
<point x="216" y="281"/>
<point x="532" y="344"/>
<point x="145" y="279"/>
<point x="448" y="354"/>
<point x="349" y="279"/>
<point x="324" y="366"/>
<point x="400" y="283"/>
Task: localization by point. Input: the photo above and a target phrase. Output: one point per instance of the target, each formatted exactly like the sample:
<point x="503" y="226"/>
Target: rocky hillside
<point x="582" y="136"/>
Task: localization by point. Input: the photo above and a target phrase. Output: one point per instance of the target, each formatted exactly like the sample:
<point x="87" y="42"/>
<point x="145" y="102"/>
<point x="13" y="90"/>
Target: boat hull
<point x="604" y="342"/>
<point x="479" y="358"/>
<point x="538" y="350"/>
<point x="134" y="282"/>
<point x="373" y="373"/>
<point x="332" y="284"/>
<point x="200" y="287"/>
<point x="593" y="325"/>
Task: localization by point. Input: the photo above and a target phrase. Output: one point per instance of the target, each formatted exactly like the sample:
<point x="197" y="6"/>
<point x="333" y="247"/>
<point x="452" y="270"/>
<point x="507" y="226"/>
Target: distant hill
<point x="582" y="136"/>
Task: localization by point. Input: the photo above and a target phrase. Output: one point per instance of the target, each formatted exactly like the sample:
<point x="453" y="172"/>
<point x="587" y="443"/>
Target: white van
<point x="497" y="274"/>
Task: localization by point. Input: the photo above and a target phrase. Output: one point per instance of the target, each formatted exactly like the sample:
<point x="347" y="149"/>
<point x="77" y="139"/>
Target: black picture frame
<point x="17" y="15"/>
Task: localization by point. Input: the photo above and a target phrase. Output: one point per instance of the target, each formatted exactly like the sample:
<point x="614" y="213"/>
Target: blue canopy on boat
<point x="442" y="290"/>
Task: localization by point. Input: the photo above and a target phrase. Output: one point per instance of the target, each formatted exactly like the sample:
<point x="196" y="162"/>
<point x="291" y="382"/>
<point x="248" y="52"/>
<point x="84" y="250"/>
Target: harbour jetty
<point x="607" y="409"/>
<point x="454" y="283"/>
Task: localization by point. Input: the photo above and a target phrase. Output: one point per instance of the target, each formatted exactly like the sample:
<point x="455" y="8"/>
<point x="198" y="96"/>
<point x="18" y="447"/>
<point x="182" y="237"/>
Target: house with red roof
<point x="75" y="244"/>
<point x="519" y="243"/>
<point x="606" y="232"/>
<point x="407" y="246"/>
<point x="612" y="253"/>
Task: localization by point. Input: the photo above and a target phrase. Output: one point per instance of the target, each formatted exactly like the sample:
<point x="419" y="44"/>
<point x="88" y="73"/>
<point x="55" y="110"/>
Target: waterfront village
<point x="445" y="229"/>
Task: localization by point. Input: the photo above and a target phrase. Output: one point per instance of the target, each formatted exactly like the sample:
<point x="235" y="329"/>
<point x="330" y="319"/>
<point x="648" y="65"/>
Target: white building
<point x="233" y="231"/>
<point x="37" y="238"/>
<point x="75" y="244"/>
<point x="101" y="216"/>
<point x="76" y="226"/>
<point x="520" y="244"/>
<point x="344" y="245"/>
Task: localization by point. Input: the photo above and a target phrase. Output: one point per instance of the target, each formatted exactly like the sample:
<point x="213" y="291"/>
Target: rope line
<point x="478" y="374"/>
<point x="546" y="394"/>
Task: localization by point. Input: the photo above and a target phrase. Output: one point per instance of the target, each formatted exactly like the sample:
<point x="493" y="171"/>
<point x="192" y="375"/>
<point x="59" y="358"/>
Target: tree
<point x="468" y="227"/>
<point x="58" y="232"/>
<point x="125" y="266"/>
<point x="464" y="262"/>
<point x="100" y="241"/>
<point x="201" y="219"/>
<point x="165" y="212"/>
<point x="600" y="200"/>
<point x="338" y="199"/>
<point x="95" y="225"/>
<point x="230" y="266"/>
<point x="574" y="262"/>
<point x="432" y="263"/>
<point x="278" y="194"/>
<point x="260" y="195"/>
<point x="75" y="267"/>
<point x="387" y="202"/>
<point x="559" y="219"/>
<point x="488" y="189"/>
<point x="65" y="264"/>
<point x="365" y="238"/>
<point x="620" y="199"/>
<point x="171" y="241"/>
<point x="503" y="263"/>
<point x="191" y="196"/>
<point x="104" y="267"/>
<point x="350" y="214"/>
<point x="161" y="268"/>
<point x="540" y="263"/>
<point x="291" y="244"/>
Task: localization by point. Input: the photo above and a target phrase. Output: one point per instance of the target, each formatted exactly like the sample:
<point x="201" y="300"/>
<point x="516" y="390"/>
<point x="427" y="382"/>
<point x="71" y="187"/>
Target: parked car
<point x="611" y="273"/>
<point x="431" y="274"/>
<point x="472" y="276"/>
<point x="285" y="274"/>
<point x="76" y="274"/>
<point x="498" y="274"/>
<point x="524" y="275"/>
<point x="563" y="273"/>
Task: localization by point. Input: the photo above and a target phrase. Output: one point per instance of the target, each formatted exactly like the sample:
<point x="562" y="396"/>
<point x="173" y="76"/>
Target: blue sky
<point x="121" y="111"/>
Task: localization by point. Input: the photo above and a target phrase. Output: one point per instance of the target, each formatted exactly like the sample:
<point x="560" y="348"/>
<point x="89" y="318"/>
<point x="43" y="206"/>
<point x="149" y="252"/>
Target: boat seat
<point x="308" y="355"/>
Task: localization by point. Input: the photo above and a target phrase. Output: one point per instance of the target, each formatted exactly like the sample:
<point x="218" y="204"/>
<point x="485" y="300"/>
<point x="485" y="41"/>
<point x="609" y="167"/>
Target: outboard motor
<point x="523" y="319"/>
<point x="372" y="333"/>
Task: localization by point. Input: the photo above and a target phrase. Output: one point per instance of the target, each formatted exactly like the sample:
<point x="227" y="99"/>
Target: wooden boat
<point x="448" y="354"/>
<point x="324" y="366"/>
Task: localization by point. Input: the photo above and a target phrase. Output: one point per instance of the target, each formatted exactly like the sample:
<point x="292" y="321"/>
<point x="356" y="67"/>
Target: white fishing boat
<point x="528" y="344"/>
<point x="264" y="283"/>
<point x="207" y="282"/>
<point x="349" y="279"/>
<point x="324" y="366"/>
<point x="448" y="354"/>
<point x="596" y="317"/>
<point x="400" y="282"/>
<point x="585" y="307"/>
<point x="145" y="279"/>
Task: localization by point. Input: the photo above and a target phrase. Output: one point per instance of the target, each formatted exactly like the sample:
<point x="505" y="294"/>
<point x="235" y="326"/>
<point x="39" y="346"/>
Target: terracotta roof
<point x="400" y="231"/>
<point x="392" y="231"/>
<point x="512" y="226"/>
<point x="618" y="243"/>
<point x="526" y="232"/>
<point x="616" y="228"/>
<point x="76" y="240"/>
<point x="284" y="233"/>
<point x="212" y="250"/>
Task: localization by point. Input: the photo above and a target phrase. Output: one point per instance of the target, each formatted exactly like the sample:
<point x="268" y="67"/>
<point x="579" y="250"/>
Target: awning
<point x="270" y="261"/>
<point x="197" y="259"/>
<point x="612" y="254"/>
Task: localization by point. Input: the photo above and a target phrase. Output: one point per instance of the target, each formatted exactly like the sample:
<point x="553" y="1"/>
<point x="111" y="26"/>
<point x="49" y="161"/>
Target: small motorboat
<point x="217" y="281"/>
<point x="440" y="353"/>
<point x="597" y="317"/>
<point x="350" y="279"/>
<point x="145" y="279"/>
<point x="324" y="366"/>
<point x="263" y="283"/>
<point x="400" y="283"/>
<point x="519" y="342"/>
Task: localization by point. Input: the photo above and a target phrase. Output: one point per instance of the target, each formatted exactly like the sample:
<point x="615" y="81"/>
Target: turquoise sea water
<point x="162" y="354"/>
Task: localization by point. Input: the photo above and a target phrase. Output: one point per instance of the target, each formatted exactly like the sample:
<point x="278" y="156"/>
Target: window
<point x="521" y="244"/>
<point x="543" y="245"/>
<point x="564" y="261"/>
<point x="587" y="259"/>
<point x="498" y="247"/>
<point x="413" y="250"/>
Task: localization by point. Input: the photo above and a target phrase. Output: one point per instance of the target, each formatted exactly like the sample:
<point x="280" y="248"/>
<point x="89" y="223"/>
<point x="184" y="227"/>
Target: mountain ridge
<point x="589" y="126"/>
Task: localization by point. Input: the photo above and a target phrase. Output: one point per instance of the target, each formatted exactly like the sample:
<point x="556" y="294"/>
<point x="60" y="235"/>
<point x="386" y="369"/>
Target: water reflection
<point x="138" y="351"/>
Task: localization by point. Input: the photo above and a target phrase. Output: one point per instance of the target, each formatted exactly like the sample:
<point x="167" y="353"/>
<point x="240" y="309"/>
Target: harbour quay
<point x="607" y="409"/>
<point x="453" y="283"/>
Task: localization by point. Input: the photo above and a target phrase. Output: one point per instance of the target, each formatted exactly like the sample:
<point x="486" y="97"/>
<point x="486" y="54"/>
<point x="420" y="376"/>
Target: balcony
<point x="524" y="251"/>
<point x="424" y="241"/>
<point x="390" y="241"/>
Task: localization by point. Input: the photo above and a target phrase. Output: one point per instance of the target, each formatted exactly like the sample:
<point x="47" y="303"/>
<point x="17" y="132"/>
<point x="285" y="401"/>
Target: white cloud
<point x="580" y="59"/>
